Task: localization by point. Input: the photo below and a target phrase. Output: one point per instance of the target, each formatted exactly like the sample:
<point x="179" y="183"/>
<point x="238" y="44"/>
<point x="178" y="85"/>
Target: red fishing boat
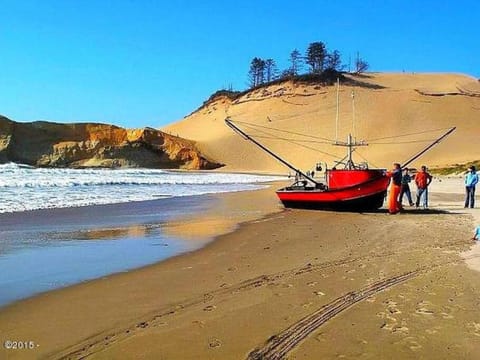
<point x="354" y="188"/>
<point x="357" y="189"/>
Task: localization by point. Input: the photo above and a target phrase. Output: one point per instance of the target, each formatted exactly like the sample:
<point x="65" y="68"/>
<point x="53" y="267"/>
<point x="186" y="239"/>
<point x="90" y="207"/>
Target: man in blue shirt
<point x="471" y="181"/>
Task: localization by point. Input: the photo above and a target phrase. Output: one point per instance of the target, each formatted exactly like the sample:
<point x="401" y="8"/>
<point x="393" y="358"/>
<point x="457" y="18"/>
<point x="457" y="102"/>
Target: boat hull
<point x="352" y="190"/>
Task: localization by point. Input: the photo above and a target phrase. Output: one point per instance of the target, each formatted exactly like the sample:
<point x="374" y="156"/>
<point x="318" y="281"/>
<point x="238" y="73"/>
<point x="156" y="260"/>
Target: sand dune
<point x="385" y="105"/>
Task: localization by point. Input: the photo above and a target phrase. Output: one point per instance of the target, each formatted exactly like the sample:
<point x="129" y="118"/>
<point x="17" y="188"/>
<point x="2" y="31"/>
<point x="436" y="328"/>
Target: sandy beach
<point x="283" y="284"/>
<point x="160" y="163"/>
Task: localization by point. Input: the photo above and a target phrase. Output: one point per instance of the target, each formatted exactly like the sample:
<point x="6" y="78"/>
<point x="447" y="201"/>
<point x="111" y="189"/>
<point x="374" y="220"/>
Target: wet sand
<point x="82" y="243"/>
<point x="295" y="283"/>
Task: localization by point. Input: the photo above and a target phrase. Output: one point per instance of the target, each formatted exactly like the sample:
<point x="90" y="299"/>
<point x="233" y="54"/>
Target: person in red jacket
<point x="423" y="180"/>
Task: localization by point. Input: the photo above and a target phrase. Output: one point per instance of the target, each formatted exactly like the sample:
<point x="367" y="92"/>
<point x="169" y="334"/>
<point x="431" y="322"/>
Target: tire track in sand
<point x="278" y="346"/>
<point x="103" y="340"/>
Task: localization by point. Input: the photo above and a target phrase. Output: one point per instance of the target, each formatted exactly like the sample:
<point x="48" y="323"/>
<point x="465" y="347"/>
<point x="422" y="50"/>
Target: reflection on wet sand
<point x="132" y="231"/>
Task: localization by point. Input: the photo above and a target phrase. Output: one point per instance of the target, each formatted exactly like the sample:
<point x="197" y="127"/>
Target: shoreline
<point x="179" y="231"/>
<point x="174" y="226"/>
<point x="189" y="306"/>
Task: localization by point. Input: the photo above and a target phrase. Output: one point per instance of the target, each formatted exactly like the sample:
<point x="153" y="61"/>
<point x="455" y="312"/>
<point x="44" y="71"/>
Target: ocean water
<point x="26" y="188"/>
<point x="59" y="227"/>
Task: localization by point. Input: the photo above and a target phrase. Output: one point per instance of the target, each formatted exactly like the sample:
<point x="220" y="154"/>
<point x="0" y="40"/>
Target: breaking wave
<point x="23" y="187"/>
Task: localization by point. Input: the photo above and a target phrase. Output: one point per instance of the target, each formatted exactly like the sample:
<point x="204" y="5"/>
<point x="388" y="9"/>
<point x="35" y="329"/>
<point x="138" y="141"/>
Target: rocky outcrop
<point x="46" y="144"/>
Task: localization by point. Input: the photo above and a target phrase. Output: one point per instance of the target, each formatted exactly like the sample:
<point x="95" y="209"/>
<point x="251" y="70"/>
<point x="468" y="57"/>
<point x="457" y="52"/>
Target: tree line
<point x="317" y="59"/>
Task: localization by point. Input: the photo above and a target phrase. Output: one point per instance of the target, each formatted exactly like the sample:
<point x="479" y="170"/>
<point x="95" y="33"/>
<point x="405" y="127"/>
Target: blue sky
<point x="148" y="63"/>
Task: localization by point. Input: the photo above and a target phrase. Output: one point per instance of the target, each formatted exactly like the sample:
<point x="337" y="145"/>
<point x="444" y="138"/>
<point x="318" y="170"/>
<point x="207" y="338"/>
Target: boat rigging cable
<point x="281" y="130"/>
<point x="326" y="141"/>
<point x="330" y="141"/>
<point x="229" y="122"/>
<point x="292" y="141"/>
<point x="248" y="137"/>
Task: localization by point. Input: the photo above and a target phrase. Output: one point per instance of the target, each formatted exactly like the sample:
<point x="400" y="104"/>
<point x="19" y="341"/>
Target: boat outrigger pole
<point x="248" y="137"/>
<point x="428" y="147"/>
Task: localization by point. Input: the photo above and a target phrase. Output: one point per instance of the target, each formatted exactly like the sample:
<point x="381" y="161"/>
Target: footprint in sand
<point x="392" y="307"/>
<point x="411" y="342"/>
<point x="207" y="297"/>
<point x="433" y="330"/>
<point x="414" y="346"/>
<point x="393" y="310"/>
<point x="446" y="315"/>
<point x="199" y="323"/>
<point x="400" y="329"/>
<point x="389" y="321"/>
<point x="422" y="308"/>
<point x="214" y="343"/>
<point x="475" y="327"/>
<point x="209" y="308"/>
<point x="424" y="311"/>
<point x="307" y="305"/>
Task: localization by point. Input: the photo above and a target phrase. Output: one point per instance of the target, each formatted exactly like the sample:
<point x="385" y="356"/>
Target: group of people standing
<point x="400" y="187"/>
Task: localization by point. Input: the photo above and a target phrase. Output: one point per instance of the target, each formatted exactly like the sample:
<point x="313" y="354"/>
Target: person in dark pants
<point x="422" y="179"/>
<point x="471" y="181"/>
<point x="405" y="187"/>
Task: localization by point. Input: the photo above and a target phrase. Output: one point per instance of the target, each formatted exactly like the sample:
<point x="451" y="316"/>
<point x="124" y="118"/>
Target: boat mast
<point x="248" y="137"/>
<point x="336" y="117"/>
<point x="353" y="112"/>
<point x="351" y="143"/>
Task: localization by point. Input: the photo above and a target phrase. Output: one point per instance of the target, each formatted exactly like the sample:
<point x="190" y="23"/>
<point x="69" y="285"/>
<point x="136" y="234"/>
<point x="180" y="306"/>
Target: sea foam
<point x="23" y="187"/>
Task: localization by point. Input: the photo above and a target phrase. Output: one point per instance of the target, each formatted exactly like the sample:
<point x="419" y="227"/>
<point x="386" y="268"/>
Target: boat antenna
<point x="336" y="116"/>
<point x="353" y="112"/>
<point x="428" y="147"/>
<point x="235" y="128"/>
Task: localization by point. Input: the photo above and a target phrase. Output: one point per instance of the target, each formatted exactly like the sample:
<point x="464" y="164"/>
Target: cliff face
<point x="47" y="144"/>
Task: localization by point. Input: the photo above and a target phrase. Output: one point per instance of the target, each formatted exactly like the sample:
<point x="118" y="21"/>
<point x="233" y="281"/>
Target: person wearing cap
<point x="471" y="181"/>
<point x="405" y="189"/>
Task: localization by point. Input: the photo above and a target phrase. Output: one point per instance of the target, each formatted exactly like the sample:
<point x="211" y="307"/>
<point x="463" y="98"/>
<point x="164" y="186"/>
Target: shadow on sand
<point x="382" y="211"/>
<point x="417" y="212"/>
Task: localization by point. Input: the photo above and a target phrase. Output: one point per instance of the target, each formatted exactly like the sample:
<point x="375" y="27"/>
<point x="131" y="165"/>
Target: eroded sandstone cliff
<point x="48" y="144"/>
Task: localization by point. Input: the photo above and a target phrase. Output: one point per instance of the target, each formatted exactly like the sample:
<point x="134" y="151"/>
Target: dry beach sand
<point x="284" y="284"/>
